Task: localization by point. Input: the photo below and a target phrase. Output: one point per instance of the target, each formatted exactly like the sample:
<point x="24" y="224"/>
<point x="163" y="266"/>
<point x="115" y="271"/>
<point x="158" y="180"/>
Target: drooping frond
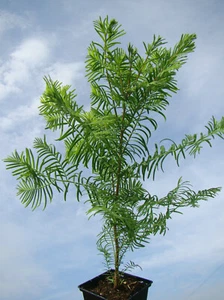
<point x="39" y="177"/>
<point x="153" y="218"/>
<point x="34" y="185"/>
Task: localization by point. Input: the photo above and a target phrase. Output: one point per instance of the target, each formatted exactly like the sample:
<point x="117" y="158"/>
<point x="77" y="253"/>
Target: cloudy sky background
<point x="46" y="255"/>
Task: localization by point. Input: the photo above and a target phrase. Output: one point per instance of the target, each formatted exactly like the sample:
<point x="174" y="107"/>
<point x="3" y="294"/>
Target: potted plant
<point x="108" y="154"/>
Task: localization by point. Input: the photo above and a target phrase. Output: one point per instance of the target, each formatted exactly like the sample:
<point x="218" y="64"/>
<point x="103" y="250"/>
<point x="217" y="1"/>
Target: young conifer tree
<point x="112" y="141"/>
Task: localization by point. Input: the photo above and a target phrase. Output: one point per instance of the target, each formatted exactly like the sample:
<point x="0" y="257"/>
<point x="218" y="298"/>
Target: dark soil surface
<point x="128" y="287"/>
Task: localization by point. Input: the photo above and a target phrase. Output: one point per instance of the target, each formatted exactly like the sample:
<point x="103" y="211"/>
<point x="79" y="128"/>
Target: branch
<point x="191" y="145"/>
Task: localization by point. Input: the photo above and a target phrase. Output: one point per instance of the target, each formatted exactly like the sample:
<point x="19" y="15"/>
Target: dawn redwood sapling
<point x="111" y="140"/>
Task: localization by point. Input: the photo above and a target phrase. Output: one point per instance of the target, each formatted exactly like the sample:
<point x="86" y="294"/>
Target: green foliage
<point x="39" y="177"/>
<point x="111" y="141"/>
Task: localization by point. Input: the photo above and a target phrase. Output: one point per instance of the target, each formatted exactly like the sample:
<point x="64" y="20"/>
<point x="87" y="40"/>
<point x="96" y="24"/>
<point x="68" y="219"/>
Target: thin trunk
<point x="116" y="238"/>
<point x="116" y="259"/>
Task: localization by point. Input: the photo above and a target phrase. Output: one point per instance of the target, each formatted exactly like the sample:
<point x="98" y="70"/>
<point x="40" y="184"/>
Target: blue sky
<point x="45" y="255"/>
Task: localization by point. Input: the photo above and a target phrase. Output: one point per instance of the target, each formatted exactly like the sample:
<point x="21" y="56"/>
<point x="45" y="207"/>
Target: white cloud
<point x="66" y="72"/>
<point x="20" y="68"/>
<point x="32" y="52"/>
<point x="20" y="114"/>
<point x="5" y="90"/>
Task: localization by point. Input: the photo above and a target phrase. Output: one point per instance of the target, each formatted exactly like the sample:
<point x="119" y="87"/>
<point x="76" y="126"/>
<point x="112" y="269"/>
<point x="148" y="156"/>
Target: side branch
<point x="191" y="145"/>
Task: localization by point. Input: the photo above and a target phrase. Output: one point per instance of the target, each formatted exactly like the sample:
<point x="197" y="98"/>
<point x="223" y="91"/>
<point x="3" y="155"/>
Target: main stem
<point x="116" y="258"/>
<point x="116" y="238"/>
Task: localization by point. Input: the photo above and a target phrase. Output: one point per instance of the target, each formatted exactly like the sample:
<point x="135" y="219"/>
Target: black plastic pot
<point x="139" y="295"/>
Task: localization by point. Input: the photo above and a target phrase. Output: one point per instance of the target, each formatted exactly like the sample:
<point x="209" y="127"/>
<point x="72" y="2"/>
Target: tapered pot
<point x="140" y="291"/>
